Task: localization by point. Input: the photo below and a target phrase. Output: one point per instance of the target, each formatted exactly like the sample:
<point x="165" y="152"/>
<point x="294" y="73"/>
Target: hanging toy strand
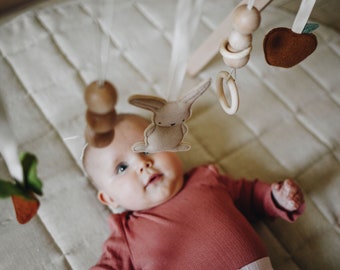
<point x="101" y="96"/>
<point x="235" y="51"/>
<point x="186" y="20"/>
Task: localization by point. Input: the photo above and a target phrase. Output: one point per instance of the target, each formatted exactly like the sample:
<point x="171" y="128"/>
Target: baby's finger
<point x="299" y="197"/>
<point x="275" y="186"/>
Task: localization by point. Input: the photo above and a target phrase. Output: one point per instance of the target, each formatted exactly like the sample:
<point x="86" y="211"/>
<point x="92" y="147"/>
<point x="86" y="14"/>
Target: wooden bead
<point x="98" y="140"/>
<point x="244" y="20"/>
<point x="238" y="42"/>
<point x="101" y="123"/>
<point x="100" y="99"/>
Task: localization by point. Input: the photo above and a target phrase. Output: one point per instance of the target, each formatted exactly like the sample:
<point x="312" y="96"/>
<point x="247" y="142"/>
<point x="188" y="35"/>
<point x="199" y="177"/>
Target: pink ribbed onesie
<point x="202" y="227"/>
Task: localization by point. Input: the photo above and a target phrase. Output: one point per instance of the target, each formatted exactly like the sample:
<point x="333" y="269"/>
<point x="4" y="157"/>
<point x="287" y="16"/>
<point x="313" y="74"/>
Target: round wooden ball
<point x="244" y="20"/>
<point x="98" y="140"/>
<point x="238" y="42"/>
<point x="100" y="98"/>
<point x="101" y="123"/>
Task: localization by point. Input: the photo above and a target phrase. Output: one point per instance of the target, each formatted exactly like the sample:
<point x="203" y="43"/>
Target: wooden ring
<point x="233" y="55"/>
<point x="233" y="107"/>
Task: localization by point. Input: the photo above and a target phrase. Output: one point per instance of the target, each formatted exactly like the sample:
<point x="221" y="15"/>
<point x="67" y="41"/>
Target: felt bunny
<point x="168" y="127"/>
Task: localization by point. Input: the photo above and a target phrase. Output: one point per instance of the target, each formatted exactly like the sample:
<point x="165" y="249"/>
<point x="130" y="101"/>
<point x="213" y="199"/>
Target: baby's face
<point x="133" y="181"/>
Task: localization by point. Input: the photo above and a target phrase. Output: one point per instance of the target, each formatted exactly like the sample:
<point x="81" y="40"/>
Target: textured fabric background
<point x="288" y="124"/>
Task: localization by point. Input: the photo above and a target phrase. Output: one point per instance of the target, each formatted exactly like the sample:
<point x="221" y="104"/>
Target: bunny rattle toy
<point x="168" y="127"/>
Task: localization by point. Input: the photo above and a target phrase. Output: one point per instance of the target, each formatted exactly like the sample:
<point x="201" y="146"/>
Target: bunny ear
<point x="150" y="103"/>
<point x="196" y="92"/>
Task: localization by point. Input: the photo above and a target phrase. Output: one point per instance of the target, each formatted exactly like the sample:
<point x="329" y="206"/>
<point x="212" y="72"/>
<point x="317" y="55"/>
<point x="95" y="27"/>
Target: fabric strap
<point x="302" y="16"/>
<point x="186" y="21"/>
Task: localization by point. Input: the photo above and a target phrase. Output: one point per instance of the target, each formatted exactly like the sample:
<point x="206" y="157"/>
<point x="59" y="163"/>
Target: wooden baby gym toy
<point x="211" y="46"/>
<point x="283" y="47"/>
<point x="101" y="98"/>
<point x="235" y="51"/>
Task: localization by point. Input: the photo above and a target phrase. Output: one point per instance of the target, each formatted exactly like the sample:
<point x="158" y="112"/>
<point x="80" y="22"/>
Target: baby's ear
<point x="106" y="199"/>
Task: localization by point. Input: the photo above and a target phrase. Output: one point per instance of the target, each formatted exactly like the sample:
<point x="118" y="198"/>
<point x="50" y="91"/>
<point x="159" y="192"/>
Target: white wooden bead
<point x="238" y="42"/>
<point x="244" y="20"/>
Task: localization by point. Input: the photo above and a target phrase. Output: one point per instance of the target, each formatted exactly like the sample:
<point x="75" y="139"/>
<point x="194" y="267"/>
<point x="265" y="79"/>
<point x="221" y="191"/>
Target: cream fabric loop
<point x="302" y="16"/>
<point x="234" y="104"/>
<point x="250" y="4"/>
<point x="8" y="146"/>
<point x="188" y="13"/>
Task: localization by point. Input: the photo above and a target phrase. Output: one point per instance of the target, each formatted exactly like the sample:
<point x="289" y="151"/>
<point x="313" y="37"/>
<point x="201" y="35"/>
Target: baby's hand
<point x="288" y="194"/>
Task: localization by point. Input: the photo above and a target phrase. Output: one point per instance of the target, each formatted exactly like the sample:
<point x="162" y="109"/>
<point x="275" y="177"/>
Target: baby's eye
<point x="121" y="167"/>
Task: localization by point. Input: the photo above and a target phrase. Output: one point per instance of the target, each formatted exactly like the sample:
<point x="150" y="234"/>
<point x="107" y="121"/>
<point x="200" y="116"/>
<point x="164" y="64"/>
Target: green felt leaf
<point x="31" y="180"/>
<point x="309" y="28"/>
<point x="8" y="189"/>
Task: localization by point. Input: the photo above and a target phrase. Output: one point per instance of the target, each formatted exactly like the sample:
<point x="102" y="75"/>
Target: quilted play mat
<point x="287" y="123"/>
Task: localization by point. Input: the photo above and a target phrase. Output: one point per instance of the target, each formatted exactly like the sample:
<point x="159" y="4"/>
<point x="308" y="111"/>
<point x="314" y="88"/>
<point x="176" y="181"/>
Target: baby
<point x="171" y="220"/>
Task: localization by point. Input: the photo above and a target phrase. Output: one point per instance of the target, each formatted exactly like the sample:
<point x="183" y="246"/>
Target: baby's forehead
<point x="127" y="131"/>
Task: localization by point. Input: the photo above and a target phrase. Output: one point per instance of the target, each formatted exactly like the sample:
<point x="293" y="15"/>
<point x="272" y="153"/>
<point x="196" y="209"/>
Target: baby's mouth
<point x="154" y="178"/>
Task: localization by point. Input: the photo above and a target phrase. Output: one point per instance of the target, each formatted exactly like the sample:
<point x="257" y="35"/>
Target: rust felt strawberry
<point x="285" y="48"/>
<point x="23" y="194"/>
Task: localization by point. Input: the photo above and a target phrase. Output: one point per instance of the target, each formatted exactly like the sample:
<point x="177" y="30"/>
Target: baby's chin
<point x="118" y="210"/>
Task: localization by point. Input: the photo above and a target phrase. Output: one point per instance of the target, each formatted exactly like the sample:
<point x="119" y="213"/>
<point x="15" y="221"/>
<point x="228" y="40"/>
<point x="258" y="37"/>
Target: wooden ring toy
<point x="234" y="104"/>
<point x="233" y="55"/>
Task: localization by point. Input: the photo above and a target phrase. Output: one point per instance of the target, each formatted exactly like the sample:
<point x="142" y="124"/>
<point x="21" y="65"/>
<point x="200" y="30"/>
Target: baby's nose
<point x="144" y="165"/>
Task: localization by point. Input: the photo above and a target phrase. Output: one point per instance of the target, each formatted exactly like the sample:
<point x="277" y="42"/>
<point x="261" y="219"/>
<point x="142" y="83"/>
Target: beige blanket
<point x="288" y="124"/>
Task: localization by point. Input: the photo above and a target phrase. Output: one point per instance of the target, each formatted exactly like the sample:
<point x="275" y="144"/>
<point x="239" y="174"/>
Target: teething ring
<point x="233" y="107"/>
<point x="234" y="59"/>
<point x="233" y="55"/>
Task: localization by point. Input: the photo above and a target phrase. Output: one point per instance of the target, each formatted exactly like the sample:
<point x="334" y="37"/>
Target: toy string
<point x="103" y="46"/>
<point x="105" y="42"/>
<point x="250" y="4"/>
<point x="186" y="21"/>
<point x="302" y="16"/>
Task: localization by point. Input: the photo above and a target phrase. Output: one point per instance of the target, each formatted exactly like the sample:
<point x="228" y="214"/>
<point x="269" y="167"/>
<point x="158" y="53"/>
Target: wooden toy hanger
<point x="211" y="46"/>
<point x="283" y="47"/>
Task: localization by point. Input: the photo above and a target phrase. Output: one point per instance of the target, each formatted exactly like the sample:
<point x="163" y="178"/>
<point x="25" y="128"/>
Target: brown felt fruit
<point x="98" y="140"/>
<point x="100" y="99"/>
<point x="25" y="209"/>
<point x="101" y="123"/>
<point x="285" y="48"/>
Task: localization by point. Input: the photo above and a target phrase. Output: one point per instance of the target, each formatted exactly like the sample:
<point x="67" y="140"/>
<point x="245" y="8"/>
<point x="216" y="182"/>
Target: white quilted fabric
<point x="288" y="124"/>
